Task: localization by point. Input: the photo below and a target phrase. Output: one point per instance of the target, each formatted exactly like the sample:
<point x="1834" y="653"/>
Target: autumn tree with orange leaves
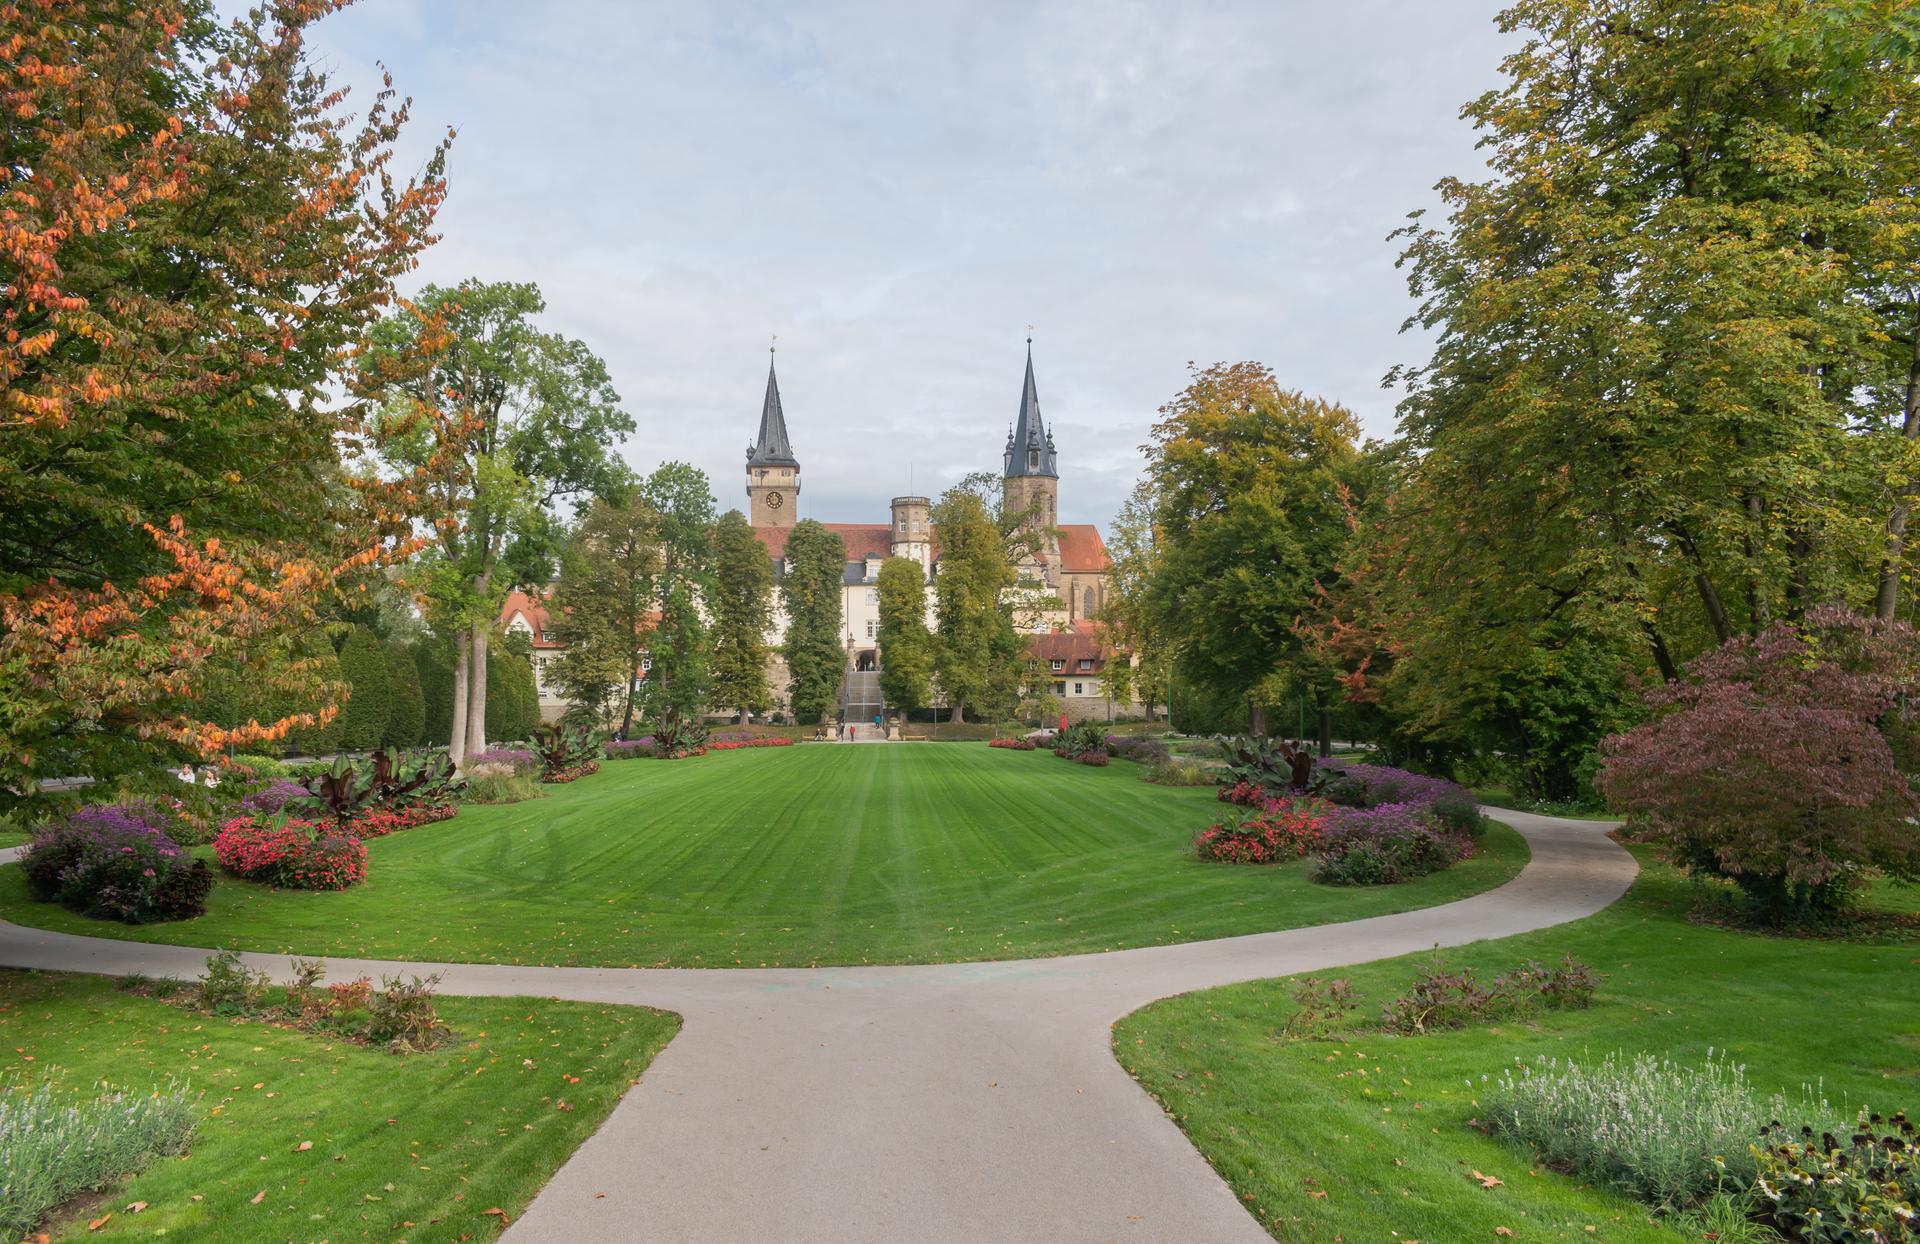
<point x="195" y="235"/>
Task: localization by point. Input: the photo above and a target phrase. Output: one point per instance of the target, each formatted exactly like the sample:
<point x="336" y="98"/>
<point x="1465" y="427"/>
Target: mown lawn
<point x="416" y="1147"/>
<point x="1371" y="1137"/>
<point x="795" y="856"/>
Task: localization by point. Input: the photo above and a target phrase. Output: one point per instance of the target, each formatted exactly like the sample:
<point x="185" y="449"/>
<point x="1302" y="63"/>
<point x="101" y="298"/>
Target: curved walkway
<point x="954" y="1102"/>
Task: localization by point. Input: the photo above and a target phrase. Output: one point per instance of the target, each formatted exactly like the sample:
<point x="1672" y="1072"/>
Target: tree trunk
<point x="1887" y="600"/>
<point x="959" y="713"/>
<point x="477" y="691"/>
<point x="744" y="716"/>
<point x="1257" y="716"/>
<point x="457" y="743"/>
<point x="1326" y="732"/>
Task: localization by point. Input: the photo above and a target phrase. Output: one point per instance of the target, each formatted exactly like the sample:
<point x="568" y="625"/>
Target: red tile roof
<point x="1081" y="549"/>
<point x="863" y="540"/>
<point x="534" y="610"/>
<point x="1072" y="647"/>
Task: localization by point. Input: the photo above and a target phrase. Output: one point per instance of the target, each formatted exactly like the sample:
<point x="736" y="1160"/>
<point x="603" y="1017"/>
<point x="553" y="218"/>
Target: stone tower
<point x="1030" y="476"/>
<point x="773" y="473"/>
<point x="912" y="529"/>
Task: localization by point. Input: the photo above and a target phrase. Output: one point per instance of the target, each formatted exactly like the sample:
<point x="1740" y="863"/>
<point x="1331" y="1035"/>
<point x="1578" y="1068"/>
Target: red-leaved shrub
<point x="1013" y="745"/>
<point x="1770" y="765"/>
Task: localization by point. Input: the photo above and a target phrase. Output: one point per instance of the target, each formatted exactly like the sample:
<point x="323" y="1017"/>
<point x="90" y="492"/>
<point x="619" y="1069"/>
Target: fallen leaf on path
<point x="1488" y="1181"/>
<point x="99" y="1222"/>
<point x="303" y="1146"/>
<point x="501" y="1214"/>
<point x="258" y="1197"/>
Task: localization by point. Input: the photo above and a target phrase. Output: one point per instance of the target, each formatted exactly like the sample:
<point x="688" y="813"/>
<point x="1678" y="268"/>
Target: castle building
<point x="1066" y="574"/>
<point x="1067" y="571"/>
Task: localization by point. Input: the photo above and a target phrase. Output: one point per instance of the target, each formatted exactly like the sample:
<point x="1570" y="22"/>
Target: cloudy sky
<point x="899" y="189"/>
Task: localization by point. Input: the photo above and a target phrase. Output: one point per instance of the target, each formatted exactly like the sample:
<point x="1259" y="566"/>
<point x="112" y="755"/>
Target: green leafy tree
<point x="1672" y="393"/>
<point x="603" y="605"/>
<point x="816" y="560"/>
<point x="1244" y="487"/>
<point x="742" y="606"/>
<point x="906" y="645"/>
<point x="363" y="665"/>
<point x="544" y="415"/>
<point x="406" y="724"/>
<point x="676" y="687"/>
<point x="977" y="655"/>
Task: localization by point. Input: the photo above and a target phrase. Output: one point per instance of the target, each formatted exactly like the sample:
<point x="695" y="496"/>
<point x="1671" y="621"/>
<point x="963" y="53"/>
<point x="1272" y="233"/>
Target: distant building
<point x="1070" y="569"/>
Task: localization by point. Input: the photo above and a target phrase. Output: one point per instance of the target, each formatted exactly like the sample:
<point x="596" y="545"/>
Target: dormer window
<point x="1085" y="664"/>
<point x="1057" y="665"/>
<point x="1033" y="460"/>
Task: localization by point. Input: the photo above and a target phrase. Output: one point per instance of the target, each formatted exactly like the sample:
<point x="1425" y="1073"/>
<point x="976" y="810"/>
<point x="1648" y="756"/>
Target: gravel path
<point x="957" y="1102"/>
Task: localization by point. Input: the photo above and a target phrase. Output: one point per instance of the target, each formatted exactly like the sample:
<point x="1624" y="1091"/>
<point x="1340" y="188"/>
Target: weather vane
<point x="1029" y="334"/>
<point x="771" y="344"/>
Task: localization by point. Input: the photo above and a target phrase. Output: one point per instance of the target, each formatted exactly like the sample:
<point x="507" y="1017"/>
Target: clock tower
<point x="773" y="473"/>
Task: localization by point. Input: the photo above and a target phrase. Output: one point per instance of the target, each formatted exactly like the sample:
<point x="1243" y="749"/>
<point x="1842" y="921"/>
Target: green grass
<point x="1370" y="1135"/>
<point x="415" y="1147"/>
<point x="796" y="856"/>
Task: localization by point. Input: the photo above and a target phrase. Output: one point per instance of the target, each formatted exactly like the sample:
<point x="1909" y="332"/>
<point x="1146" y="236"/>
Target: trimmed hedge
<point x="406" y="723"/>
<point x="363" y="718"/>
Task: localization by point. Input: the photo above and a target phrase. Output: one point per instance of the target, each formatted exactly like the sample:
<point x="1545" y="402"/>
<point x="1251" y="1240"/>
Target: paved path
<point x="962" y="1102"/>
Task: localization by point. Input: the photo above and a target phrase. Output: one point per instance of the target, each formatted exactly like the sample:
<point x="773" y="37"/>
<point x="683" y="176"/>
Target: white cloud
<point x="899" y="189"/>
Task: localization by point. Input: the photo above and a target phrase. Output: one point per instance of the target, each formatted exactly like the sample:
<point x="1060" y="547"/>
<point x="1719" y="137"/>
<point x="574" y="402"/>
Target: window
<point x="1059" y="688"/>
<point x="1056" y="665"/>
<point x="869" y="628"/>
<point x="1086" y="663"/>
<point x="1079" y="689"/>
<point x="903" y="524"/>
<point x="1033" y="459"/>
<point x="873" y="596"/>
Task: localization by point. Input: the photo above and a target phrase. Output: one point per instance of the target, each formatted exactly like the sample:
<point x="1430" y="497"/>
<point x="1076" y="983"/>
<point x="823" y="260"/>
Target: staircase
<point x="860" y="699"/>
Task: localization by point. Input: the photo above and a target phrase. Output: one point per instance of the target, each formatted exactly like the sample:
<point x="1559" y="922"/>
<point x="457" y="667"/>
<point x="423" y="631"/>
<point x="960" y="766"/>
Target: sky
<point x="898" y="190"/>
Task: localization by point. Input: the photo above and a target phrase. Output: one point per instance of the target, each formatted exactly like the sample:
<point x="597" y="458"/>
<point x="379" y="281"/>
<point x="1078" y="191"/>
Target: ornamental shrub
<point x="290" y="855"/>
<point x="519" y="759"/>
<point x="513" y="697"/>
<point x="1140" y="751"/>
<point x="54" y="1148"/>
<point x="1098" y="759"/>
<point x="117" y="862"/>
<point x="498" y="783"/>
<point x="1014" y="745"/>
<point x="272" y="797"/>
<point x="433" y="662"/>
<point x="1769" y="764"/>
<point x="1179" y="773"/>
<point x="631" y="749"/>
<point x="1385" y="845"/>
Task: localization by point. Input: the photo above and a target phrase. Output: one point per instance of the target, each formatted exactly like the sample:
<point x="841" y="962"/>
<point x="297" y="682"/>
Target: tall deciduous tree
<point x="675" y="690"/>
<point x="1675" y="365"/>
<point x="603" y="605"/>
<point x="196" y="236"/>
<point x="742" y="607"/>
<point x="976" y="656"/>
<point x="1244" y="485"/>
<point x="906" y="645"/>
<point x="816" y="558"/>
<point x="544" y="416"/>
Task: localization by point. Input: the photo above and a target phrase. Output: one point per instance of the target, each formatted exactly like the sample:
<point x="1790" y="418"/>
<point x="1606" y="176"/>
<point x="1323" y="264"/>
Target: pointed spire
<point x="1030" y="448"/>
<point x="772" y="448"/>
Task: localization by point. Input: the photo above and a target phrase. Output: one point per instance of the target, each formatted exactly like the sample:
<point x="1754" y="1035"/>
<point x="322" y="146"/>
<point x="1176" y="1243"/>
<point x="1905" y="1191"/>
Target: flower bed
<point x="272" y="797"/>
<point x="1097" y="759"/>
<point x="1386" y="845"/>
<point x="1286" y="831"/>
<point x="117" y="862"/>
<point x="378" y="822"/>
<point x="571" y="775"/>
<point x="724" y="744"/>
<point x="1014" y="745"/>
<point x="291" y="855"/>
<point x="631" y="749"/>
<point x="519" y="758"/>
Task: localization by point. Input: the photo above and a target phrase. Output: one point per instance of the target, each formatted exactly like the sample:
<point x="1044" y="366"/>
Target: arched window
<point x="1088" y="609"/>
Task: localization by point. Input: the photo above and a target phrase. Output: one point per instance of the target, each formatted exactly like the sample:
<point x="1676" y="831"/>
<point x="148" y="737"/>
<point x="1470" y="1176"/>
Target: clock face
<point x="775" y="501"/>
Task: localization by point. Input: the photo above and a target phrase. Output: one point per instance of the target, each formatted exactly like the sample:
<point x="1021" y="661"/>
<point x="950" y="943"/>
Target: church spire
<point x="772" y="449"/>
<point x="1029" y="447"/>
